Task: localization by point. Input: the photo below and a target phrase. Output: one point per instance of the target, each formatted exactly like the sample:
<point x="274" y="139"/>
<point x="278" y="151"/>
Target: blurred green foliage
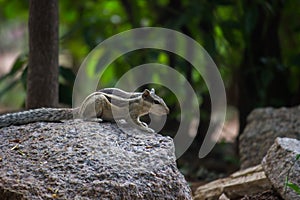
<point x="233" y="33"/>
<point x="255" y="44"/>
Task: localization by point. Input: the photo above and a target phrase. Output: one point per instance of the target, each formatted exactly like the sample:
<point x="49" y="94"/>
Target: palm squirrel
<point x="108" y="104"/>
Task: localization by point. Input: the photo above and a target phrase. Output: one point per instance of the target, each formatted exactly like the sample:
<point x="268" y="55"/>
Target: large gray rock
<point x="280" y="163"/>
<point x="87" y="160"/>
<point x="264" y="125"/>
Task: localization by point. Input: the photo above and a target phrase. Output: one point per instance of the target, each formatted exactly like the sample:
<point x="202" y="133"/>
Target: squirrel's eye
<point x="156" y="102"/>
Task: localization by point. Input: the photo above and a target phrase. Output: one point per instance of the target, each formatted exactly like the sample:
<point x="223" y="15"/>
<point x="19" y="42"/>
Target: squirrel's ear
<point x="152" y="91"/>
<point x="146" y="93"/>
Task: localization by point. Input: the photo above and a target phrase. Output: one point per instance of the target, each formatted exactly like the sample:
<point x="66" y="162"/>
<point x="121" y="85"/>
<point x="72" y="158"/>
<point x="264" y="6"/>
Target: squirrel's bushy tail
<point x="37" y="115"/>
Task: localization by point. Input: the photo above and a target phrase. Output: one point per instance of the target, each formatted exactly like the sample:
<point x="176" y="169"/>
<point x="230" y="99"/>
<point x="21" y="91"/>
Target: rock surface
<point x="266" y="195"/>
<point x="264" y="125"/>
<point x="87" y="160"/>
<point x="280" y="163"/>
<point x="242" y="183"/>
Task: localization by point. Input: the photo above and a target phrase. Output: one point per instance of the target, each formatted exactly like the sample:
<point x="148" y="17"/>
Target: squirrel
<point x="108" y="104"/>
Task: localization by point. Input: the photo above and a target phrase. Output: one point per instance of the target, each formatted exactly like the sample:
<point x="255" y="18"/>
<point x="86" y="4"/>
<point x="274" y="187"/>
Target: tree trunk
<point x="42" y="79"/>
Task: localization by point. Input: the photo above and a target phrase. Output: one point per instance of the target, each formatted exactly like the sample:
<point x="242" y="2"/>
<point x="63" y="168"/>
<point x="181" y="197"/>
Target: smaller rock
<point x="280" y="163"/>
<point x="249" y="181"/>
<point x="264" y="125"/>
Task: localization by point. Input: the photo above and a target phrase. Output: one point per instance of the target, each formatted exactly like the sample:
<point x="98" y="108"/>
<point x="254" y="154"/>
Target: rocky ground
<point x="87" y="160"/>
<point x="270" y="158"/>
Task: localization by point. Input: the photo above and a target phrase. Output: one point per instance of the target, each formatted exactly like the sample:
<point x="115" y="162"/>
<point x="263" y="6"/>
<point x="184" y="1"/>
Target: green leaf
<point x="19" y="63"/>
<point x="24" y="77"/>
<point x="10" y="78"/>
<point x="17" y="67"/>
<point x="8" y="87"/>
<point x="294" y="187"/>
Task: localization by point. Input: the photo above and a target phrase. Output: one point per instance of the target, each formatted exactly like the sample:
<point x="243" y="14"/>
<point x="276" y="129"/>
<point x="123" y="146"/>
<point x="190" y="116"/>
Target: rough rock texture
<point x="266" y="195"/>
<point x="87" y="160"/>
<point x="280" y="163"/>
<point x="264" y="125"/>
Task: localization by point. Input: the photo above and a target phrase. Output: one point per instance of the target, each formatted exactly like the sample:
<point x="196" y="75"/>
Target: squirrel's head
<point x="156" y="104"/>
